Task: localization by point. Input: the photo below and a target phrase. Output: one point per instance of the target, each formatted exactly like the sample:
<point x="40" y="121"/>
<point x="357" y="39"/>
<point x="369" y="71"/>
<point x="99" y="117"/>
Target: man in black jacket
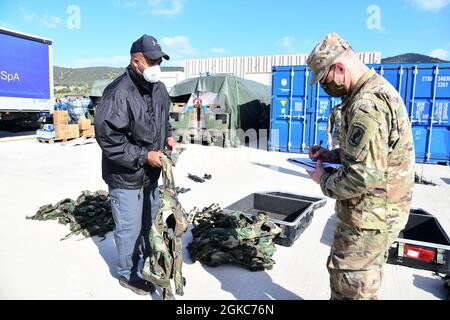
<point x="132" y="128"/>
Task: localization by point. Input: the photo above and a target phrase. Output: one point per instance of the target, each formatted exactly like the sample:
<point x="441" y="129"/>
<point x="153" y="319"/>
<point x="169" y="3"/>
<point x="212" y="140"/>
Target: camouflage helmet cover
<point x="324" y="53"/>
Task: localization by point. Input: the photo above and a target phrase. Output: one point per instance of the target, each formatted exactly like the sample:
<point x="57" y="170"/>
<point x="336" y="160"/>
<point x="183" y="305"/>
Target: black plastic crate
<point x="422" y="244"/>
<point x="292" y="212"/>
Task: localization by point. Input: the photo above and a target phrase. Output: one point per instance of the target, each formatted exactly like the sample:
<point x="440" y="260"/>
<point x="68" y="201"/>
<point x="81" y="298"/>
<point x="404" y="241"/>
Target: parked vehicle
<point x="26" y="80"/>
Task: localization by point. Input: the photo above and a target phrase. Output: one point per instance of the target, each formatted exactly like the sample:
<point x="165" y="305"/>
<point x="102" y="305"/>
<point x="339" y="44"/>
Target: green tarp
<point x="247" y="102"/>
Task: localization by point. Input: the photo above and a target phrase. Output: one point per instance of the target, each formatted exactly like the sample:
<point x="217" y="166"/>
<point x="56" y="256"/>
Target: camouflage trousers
<point x="356" y="261"/>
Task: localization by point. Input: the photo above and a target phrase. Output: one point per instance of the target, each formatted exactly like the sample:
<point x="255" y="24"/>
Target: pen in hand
<point x="320" y="146"/>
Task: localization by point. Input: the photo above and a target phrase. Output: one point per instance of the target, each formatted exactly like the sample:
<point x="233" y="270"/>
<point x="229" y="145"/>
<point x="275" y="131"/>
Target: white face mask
<point x="152" y="74"/>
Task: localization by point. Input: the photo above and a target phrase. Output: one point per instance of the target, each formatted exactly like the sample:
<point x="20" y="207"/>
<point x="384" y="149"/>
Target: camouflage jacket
<point x="374" y="187"/>
<point x="334" y="126"/>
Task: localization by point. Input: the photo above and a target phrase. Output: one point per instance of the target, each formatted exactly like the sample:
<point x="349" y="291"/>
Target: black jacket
<point x="131" y="120"/>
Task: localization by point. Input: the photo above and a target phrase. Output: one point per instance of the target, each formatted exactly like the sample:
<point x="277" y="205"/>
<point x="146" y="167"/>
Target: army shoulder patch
<point x="357" y="133"/>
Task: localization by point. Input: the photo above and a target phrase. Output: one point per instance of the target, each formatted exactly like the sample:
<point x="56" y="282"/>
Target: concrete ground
<point x="6" y="136"/>
<point x="36" y="265"/>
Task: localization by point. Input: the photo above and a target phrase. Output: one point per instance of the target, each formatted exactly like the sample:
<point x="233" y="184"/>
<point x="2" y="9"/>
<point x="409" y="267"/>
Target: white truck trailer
<point x="26" y="80"/>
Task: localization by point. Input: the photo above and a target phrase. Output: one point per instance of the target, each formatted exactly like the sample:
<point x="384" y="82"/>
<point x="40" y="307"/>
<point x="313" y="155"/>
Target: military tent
<point x="247" y="102"/>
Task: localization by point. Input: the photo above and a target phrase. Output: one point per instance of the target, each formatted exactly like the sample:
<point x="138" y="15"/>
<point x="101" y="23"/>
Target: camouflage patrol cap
<point x="324" y="53"/>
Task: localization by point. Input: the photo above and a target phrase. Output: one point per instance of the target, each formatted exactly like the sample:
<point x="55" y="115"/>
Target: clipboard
<point x="311" y="165"/>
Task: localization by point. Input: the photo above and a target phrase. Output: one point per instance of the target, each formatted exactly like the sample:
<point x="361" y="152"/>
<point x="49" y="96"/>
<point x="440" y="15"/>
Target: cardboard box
<point x="70" y="131"/>
<point x="89" y="133"/>
<point x="178" y="107"/>
<point x="60" y="117"/>
<point x="61" y="131"/>
<point x="74" y="131"/>
<point x="85" y="124"/>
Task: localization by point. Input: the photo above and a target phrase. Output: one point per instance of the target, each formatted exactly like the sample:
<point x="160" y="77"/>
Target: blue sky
<point x="100" y="32"/>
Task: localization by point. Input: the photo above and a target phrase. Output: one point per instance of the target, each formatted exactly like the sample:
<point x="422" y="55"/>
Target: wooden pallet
<point x="78" y="141"/>
<point x="52" y="141"/>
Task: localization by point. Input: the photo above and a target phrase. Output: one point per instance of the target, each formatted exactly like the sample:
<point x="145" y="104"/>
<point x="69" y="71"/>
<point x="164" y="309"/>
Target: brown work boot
<point x="140" y="287"/>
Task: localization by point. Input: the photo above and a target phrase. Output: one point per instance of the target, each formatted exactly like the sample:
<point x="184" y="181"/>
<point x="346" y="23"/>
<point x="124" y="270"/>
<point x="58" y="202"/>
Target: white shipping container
<point x="257" y="68"/>
<point x="171" y="78"/>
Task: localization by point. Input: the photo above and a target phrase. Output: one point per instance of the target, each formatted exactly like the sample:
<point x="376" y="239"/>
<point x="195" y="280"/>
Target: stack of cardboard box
<point x="61" y="122"/>
<point x="73" y="131"/>
<point x="64" y="130"/>
<point x="60" y="117"/>
<point x="90" y="133"/>
<point x="86" y="128"/>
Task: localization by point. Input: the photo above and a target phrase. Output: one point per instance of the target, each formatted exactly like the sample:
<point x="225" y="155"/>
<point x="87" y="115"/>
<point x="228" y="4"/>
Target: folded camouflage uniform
<point x="220" y="238"/>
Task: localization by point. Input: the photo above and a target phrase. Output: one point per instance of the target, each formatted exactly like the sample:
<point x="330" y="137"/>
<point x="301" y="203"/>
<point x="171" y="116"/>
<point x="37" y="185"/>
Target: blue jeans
<point x="133" y="212"/>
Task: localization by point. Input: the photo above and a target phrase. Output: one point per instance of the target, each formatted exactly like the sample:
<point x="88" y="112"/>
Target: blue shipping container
<point x="289" y="117"/>
<point x="427" y="102"/>
<point x="424" y="88"/>
<point x="322" y="105"/>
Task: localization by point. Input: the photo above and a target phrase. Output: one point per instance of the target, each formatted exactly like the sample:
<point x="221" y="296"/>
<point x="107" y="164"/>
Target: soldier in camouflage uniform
<point x="334" y="127"/>
<point x="374" y="187"/>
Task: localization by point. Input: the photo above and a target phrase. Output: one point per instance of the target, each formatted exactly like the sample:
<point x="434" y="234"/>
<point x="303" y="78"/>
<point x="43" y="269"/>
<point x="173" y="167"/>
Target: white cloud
<point x="50" y="22"/>
<point x="218" y="50"/>
<point x="125" y="3"/>
<point x="177" y="47"/>
<point x="6" y="24"/>
<point x="430" y="5"/>
<point x="43" y="20"/>
<point x="115" y="61"/>
<point x="29" y="17"/>
<point x="168" y="8"/>
<point x="164" y="8"/>
<point x="440" y="54"/>
<point x="287" y="43"/>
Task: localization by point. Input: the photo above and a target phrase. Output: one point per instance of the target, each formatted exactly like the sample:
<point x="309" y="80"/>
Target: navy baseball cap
<point x="150" y="47"/>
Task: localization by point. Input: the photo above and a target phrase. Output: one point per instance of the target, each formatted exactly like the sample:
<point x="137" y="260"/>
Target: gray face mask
<point x="334" y="88"/>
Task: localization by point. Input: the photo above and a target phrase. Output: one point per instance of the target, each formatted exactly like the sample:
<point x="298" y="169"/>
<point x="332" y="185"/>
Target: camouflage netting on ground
<point x="89" y="215"/>
<point x="220" y="238"/>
